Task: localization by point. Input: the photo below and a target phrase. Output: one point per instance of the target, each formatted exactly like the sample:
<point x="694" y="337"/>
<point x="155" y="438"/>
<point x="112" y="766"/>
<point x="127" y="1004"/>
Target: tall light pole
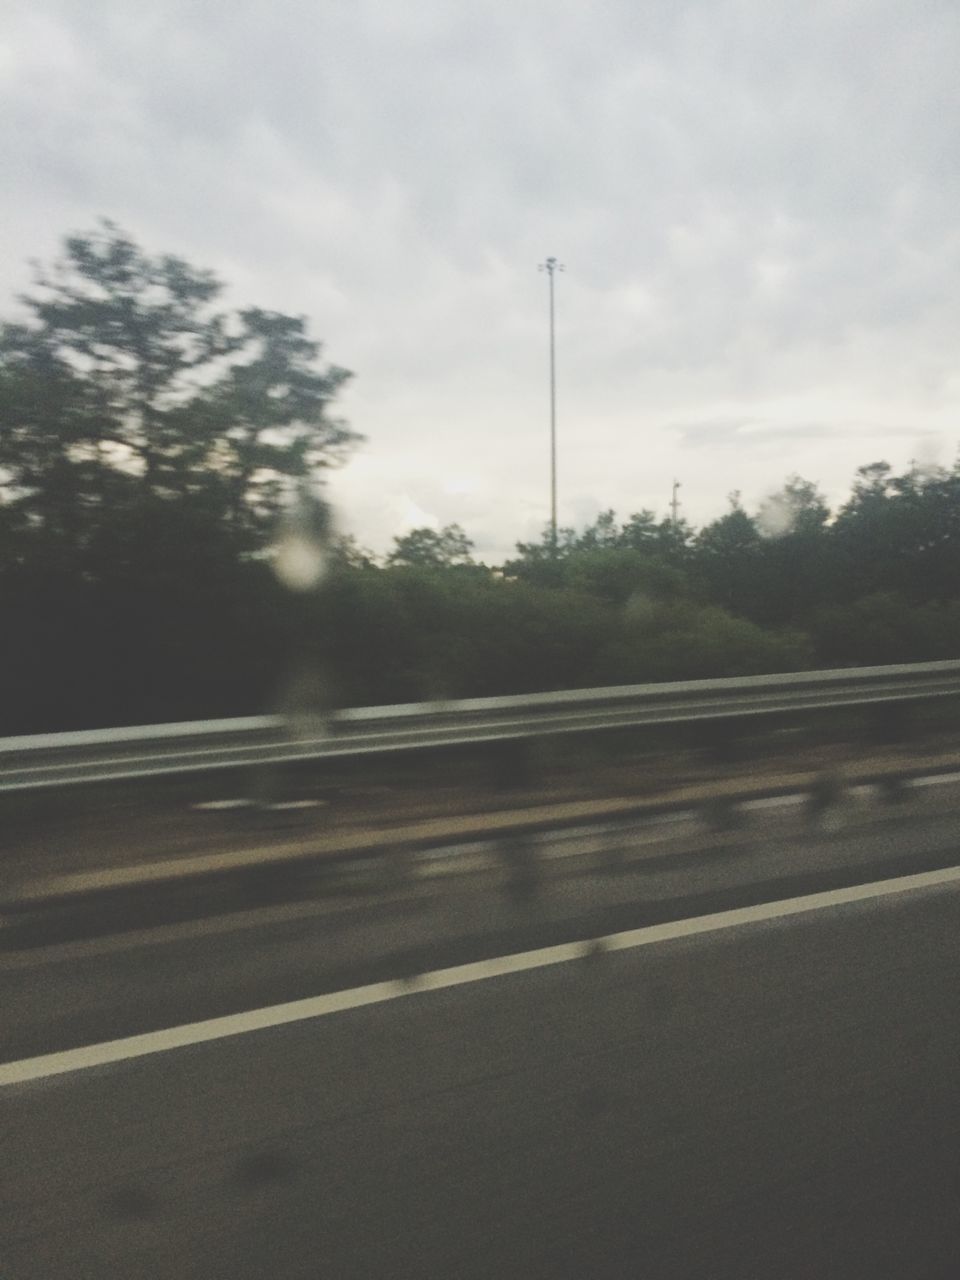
<point x="550" y="267"/>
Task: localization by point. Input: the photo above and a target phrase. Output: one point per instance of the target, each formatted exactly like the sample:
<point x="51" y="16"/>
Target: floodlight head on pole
<point x="551" y="265"/>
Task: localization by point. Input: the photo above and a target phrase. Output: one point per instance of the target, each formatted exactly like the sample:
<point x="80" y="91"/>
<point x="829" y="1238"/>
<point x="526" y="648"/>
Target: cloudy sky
<point x="757" y="202"/>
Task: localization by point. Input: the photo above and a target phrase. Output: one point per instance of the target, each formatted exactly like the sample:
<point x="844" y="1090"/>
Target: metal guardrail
<point x="98" y="755"/>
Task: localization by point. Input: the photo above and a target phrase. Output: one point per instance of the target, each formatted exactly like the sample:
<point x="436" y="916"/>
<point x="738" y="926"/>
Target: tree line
<point x="155" y="450"/>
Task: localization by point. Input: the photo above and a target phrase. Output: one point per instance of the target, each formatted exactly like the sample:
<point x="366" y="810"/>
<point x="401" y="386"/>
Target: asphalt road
<point x="776" y="1100"/>
<point x="455" y="910"/>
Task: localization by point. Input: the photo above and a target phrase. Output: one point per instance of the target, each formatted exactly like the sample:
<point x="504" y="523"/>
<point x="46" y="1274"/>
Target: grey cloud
<point x="724" y="434"/>
<point x="755" y="201"/>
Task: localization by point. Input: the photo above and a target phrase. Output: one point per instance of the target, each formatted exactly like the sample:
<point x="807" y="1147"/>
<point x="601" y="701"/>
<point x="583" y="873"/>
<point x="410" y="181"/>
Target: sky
<point x="756" y="203"/>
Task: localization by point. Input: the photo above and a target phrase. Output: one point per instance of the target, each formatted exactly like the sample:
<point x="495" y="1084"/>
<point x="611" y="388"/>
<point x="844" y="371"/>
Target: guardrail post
<point x="396" y="868"/>
<point x="524" y="871"/>
<point x="612" y="853"/>
<point x="273" y="884"/>
<point x="825" y="794"/>
<point x="894" y="790"/>
<point x="723" y="814"/>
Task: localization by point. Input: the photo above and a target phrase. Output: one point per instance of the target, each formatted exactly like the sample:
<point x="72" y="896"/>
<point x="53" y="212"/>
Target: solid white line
<point x="112" y="1051"/>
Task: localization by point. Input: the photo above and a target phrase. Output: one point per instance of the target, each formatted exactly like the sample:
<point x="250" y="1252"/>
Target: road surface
<point x="778" y="1099"/>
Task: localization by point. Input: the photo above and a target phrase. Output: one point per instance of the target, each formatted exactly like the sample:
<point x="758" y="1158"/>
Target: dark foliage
<point x="155" y="450"/>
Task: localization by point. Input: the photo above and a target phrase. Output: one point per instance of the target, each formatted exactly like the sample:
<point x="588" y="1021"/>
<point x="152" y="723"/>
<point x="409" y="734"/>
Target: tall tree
<point x="127" y="393"/>
<point x="432" y="548"/>
<point x="799" y="568"/>
<point x="148" y="441"/>
<point x="729" y="555"/>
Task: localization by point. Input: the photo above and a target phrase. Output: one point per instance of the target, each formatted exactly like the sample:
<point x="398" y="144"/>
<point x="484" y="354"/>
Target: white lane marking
<point x="775" y="802"/>
<point x="112" y="1051"/>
